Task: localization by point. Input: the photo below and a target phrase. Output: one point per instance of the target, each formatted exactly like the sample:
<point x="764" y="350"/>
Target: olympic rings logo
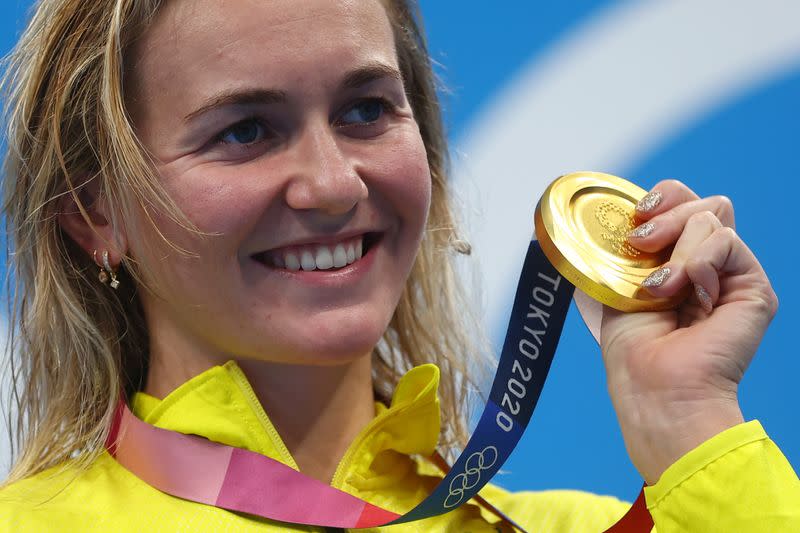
<point x="469" y="479"/>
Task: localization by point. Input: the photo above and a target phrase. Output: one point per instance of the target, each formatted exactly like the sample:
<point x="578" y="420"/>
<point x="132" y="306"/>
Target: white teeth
<point x="307" y="261"/>
<point x="292" y="263"/>
<point x="339" y="256"/>
<point x="320" y="257"/>
<point x="324" y="259"/>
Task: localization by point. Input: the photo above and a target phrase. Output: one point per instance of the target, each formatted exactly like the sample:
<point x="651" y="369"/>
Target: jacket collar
<point x="220" y="405"/>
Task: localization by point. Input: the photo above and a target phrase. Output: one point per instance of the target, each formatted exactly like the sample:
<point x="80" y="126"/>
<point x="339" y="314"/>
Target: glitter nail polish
<point x="649" y="202"/>
<point x="642" y="230"/>
<point x="703" y="297"/>
<point x="657" y="277"/>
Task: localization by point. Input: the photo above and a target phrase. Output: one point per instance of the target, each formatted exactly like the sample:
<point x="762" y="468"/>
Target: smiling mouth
<point x="318" y="256"/>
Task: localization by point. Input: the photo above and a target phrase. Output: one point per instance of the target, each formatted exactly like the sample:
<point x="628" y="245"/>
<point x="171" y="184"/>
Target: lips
<point x="319" y="256"/>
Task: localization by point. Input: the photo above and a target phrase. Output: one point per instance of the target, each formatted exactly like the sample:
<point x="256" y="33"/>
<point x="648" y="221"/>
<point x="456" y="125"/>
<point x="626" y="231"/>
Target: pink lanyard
<point x="199" y="470"/>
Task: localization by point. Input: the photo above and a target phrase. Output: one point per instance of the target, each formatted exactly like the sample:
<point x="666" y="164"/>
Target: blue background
<point x="746" y="148"/>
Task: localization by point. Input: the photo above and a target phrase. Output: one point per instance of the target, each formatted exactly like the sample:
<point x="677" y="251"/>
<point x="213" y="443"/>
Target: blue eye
<point x="245" y="132"/>
<point x="364" y="112"/>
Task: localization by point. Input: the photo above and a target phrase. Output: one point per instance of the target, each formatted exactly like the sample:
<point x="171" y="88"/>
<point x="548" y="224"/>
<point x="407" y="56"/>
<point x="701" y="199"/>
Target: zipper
<point x="244" y="385"/>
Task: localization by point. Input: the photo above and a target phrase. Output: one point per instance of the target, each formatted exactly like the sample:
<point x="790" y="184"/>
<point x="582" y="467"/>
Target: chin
<point x="333" y="342"/>
<point x="329" y="353"/>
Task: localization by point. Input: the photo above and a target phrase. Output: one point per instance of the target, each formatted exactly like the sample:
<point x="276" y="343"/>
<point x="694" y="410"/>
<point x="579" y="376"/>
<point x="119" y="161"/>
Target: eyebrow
<point x="369" y="73"/>
<point x="352" y="80"/>
<point x="238" y="97"/>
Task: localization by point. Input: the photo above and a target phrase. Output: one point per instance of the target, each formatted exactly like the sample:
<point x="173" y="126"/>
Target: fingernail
<point x="657" y="277"/>
<point x="703" y="297"/>
<point x="642" y="230"/>
<point x="649" y="202"/>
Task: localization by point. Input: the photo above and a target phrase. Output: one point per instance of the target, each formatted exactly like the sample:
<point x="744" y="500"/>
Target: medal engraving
<point x="618" y="222"/>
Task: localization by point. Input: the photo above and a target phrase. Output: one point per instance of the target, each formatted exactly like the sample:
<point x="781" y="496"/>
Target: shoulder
<point x="106" y="497"/>
<point x="63" y="498"/>
<point x="560" y="510"/>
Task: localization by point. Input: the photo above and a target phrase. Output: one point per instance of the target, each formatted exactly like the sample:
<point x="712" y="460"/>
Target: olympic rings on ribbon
<point x="473" y="466"/>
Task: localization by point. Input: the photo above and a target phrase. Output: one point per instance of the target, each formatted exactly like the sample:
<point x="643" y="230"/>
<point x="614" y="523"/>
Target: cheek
<point x="222" y="207"/>
<point x="222" y="201"/>
<point x="212" y="203"/>
<point x="408" y="180"/>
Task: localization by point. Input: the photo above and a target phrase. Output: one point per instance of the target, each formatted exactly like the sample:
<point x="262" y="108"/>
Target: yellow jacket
<point x="737" y="481"/>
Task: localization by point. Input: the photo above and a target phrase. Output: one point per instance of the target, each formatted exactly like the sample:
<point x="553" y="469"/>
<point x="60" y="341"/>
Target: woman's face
<point x="281" y="128"/>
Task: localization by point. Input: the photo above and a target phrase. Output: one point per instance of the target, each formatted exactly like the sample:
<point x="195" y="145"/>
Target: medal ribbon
<point x="196" y="469"/>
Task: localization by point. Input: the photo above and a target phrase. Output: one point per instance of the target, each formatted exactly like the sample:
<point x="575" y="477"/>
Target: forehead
<point x="209" y="44"/>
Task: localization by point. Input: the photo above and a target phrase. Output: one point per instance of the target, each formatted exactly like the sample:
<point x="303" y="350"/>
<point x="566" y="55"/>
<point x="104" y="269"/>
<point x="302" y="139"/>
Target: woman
<point x="264" y="184"/>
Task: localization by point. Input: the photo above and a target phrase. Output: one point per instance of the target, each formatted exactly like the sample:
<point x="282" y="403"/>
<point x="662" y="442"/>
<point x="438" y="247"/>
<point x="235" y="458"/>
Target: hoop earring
<point x="106" y="272"/>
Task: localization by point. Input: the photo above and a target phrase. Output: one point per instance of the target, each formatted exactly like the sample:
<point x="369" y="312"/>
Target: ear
<point x="84" y="215"/>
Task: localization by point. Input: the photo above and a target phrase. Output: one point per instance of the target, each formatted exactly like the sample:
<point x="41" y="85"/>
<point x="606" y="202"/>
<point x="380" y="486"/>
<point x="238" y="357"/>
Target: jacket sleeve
<point x="736" y="481"/>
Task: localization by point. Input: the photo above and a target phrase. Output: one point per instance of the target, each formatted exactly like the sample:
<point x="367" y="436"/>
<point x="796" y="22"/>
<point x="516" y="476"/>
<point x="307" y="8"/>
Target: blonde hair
<point x="73" y="343"/>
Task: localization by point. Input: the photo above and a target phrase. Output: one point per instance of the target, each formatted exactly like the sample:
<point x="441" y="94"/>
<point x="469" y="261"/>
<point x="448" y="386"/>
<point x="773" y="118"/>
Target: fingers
<point x="706" y="247"/>
<point x="724" y="254"/>
<point x="719" y="264"/>
<point x="663" y="197"/>
<point x="698" y="228"/>
<point x="705" y="280"/>
<point x="661" y="230"/>
<point x="674" y="275"/>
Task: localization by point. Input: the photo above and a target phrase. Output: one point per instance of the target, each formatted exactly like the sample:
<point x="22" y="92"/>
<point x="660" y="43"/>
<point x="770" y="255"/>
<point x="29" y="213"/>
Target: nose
<point x="325" y="178"/>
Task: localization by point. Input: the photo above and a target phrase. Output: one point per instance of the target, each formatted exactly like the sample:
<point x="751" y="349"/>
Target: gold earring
<point x="106" y="272"/>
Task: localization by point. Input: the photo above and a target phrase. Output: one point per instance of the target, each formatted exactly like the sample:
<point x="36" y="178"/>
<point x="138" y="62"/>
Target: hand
<point x="673" y="375"/>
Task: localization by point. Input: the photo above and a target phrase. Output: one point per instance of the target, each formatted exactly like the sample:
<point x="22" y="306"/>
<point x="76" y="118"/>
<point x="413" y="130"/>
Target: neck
<point x="317" y="410"/>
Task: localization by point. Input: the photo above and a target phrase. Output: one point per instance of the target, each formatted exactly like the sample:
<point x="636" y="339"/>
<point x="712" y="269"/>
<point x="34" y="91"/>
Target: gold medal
<point x="582" y="222"/>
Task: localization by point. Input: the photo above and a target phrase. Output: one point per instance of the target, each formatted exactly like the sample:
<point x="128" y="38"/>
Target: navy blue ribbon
<point x="534" y="329"/>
